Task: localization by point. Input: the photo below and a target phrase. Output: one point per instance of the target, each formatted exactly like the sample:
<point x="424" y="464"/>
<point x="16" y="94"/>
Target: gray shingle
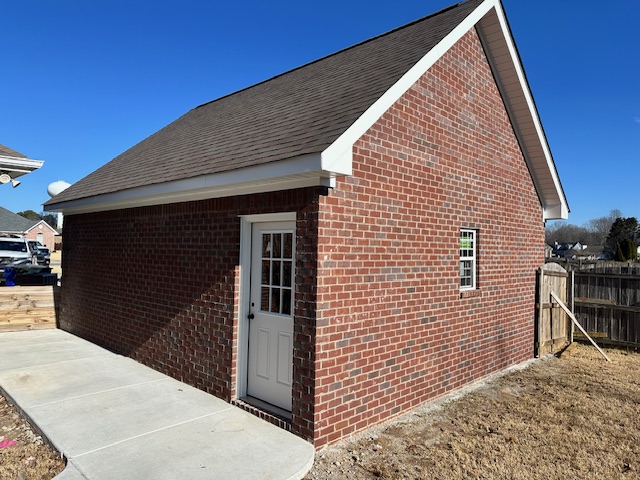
<point x="11" y="222"/>
<point x="9" y="152"/>
<point x="299" y="112"/>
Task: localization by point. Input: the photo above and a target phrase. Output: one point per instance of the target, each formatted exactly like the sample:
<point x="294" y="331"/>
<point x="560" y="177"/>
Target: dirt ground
<point x="572" y="417"/>
<point x="29" y="458"/>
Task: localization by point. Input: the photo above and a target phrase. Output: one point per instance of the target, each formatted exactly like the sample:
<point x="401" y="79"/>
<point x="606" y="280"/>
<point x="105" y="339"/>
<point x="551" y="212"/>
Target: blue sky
<point x="85" y="80"/>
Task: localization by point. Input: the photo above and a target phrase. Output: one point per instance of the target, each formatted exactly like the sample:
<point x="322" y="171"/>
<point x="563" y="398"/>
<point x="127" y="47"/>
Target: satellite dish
<point x="56" y="187"/>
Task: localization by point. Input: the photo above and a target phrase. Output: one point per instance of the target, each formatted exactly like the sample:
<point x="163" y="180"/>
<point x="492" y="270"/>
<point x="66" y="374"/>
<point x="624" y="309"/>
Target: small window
<point x="467" y="259"/>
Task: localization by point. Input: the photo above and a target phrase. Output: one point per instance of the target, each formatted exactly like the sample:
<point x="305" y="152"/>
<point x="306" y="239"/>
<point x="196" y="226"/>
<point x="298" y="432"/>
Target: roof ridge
<point x="355" y="45"/>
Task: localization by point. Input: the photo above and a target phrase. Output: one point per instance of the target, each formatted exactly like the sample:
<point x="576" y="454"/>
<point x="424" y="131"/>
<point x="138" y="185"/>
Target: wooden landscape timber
<point x="27" y="308"/>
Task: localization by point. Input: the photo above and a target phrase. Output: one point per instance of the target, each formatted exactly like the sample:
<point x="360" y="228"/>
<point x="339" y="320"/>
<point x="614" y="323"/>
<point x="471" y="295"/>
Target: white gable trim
<point x="338" y="157"/>
<point x="42" y="222"/>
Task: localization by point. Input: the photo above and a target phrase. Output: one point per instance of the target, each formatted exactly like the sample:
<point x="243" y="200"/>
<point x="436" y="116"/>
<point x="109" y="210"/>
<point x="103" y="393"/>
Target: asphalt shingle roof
<point x="12" y="222"/>
<point x="299" y="112"/>
<point x="9" y="152"/>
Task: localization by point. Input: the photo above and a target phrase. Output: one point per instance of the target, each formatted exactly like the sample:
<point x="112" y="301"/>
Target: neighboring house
<point x="14" y="164"/>
<point x="14" y="224"/>
<point x="567" y="250"/>
<point x="43" y="233"/>
<point x="328" y="248"/>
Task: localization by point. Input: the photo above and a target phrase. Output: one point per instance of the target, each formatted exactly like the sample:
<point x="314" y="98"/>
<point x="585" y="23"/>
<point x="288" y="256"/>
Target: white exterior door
<point x="270" y="353"/>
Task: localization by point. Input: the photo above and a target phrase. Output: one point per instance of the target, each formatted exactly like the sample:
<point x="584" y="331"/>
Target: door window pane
<point x="275" y="273"/>
<point x="266" y="245"/>
<point x="287" y="245"/>
<point x="275" y="300"/>
<point x="286" y="273"/>
<point x="266" y="272"/>
<point x="286" y="301"/>
<point x="277" y="245"/>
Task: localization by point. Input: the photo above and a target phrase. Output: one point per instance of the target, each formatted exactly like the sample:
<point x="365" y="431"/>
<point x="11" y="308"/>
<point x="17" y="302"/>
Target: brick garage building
<point x="333" y="246"/>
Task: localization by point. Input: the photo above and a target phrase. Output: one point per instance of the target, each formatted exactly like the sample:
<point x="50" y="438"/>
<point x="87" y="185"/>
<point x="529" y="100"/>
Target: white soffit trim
<point x="338" y="156"/>
<point x="17" y="166"/>
<point x="495" y="35"/>
<point x="287" y="174"/>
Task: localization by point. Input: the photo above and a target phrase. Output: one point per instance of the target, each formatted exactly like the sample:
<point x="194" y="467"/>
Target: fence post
<point x="573" y="305"/>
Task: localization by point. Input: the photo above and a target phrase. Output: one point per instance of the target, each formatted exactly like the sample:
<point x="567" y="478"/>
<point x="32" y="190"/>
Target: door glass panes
<point x="277" y="273"/>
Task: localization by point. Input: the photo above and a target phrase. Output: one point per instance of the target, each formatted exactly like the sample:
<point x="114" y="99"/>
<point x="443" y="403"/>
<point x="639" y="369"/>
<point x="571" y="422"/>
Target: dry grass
<point x="570" y="417"/>
<point x="30" y="458"/>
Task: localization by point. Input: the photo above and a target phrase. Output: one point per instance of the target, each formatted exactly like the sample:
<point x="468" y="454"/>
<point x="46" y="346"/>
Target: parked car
<point x="18" y="251"/>
<point x="43" y="255"/>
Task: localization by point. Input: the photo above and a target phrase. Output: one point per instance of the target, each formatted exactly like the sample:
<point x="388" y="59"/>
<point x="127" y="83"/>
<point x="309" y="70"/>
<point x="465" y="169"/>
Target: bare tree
<point x="563" y="232"/>
<point x="599" y="227"/>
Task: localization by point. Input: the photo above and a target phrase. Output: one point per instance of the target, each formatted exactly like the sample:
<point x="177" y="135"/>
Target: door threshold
<point x="267" y="407"/>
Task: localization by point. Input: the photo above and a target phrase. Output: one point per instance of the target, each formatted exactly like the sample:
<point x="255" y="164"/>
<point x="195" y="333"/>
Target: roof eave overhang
<point x="298" y="172"/>
<point x="18" y="166"/>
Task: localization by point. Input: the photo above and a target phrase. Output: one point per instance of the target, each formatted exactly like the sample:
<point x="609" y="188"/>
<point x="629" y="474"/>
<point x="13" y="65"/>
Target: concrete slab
<point x="21" y="354"/>
<point x="238" y="445"/>
<point x="114" y="418"/>
<point x="52" y="382"/>
<point x="90" y="422"/>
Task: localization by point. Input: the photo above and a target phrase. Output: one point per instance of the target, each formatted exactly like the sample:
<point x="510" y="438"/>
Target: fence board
<point x="607" y="301"/>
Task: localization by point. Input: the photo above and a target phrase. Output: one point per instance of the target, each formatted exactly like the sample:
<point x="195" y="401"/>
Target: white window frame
<point x="465" y="257"/>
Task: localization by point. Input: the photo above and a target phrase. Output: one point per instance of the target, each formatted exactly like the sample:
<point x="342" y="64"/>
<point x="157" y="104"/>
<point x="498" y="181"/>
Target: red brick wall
<point x="159" y="284"/>
<point x="393" y="329"/>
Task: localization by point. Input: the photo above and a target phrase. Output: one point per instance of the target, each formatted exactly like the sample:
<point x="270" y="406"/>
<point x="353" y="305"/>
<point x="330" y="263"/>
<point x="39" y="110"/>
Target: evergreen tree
<point x="622" y="239"/>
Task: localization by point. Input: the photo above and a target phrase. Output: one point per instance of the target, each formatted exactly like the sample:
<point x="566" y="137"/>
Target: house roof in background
<point x="300" y="126"/>
<point x="13" y="223"/>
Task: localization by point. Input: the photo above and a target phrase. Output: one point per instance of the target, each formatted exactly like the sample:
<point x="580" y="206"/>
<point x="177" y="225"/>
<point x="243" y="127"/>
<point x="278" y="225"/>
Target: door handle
<point x="250" y="316"/>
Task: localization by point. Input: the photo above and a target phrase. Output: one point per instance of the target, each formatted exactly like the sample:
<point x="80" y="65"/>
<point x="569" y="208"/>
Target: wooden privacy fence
<point x="607" y="303"/>
<point x="28" y="308"/>
<point x="552" y="323"/>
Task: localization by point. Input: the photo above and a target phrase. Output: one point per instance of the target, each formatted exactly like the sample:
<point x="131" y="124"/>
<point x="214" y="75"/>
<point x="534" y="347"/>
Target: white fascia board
<point x="555" y="206"/>
<point x="298" y="172"/>
<point x="18" y="165"/>
<point x="338" y="156"/>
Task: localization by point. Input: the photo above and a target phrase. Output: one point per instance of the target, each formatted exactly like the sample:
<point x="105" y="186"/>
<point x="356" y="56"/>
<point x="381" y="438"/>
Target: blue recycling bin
<point x="9" y="276"/>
